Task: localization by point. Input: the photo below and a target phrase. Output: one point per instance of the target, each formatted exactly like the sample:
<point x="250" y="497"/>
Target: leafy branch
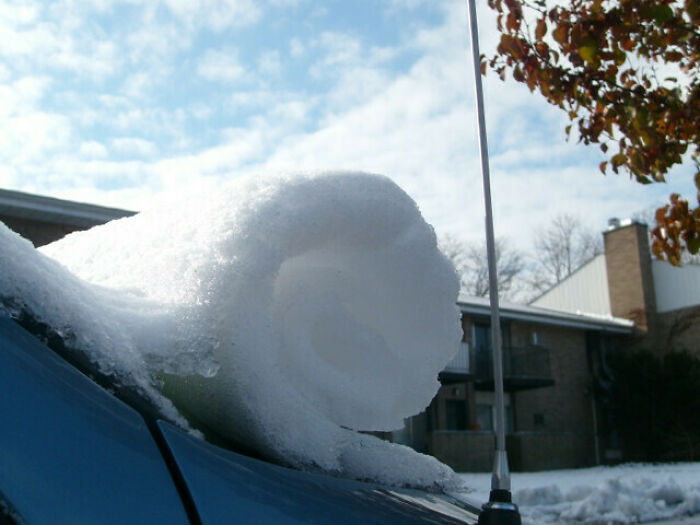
<point x="597" y="61"/>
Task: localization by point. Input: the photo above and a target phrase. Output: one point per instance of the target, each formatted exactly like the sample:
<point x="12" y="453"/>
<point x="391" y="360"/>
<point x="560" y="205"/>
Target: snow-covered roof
<point x="540" y="315"/>
<point x="47" y="209"/>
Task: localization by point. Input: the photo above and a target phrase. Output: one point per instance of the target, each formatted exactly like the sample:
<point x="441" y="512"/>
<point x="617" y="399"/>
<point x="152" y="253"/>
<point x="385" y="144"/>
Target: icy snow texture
<point x="632" y="493"/>
<point x="280" y="312"/>
<point x="121" y="334"/>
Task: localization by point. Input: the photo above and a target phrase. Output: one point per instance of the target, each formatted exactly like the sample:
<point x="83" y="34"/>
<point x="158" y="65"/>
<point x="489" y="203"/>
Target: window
<point x="486" y="412"/>
<point x="484" y="417"/>
<point x="482" y="347"/>
<point x="456" y="414"/>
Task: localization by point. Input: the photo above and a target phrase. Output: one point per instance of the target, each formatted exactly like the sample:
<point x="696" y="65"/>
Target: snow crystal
<point x="283" y="312"/>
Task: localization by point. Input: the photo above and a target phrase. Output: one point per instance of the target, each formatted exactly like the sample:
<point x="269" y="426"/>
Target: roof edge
<point x="539" y="315"/>
<point x="22" y="205"/>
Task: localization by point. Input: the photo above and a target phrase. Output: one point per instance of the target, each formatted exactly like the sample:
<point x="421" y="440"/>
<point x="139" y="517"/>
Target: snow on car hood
<point x="282" y="312"/>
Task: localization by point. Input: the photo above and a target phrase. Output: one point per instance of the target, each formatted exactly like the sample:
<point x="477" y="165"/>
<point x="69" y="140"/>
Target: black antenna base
<point x="500" y="510"/>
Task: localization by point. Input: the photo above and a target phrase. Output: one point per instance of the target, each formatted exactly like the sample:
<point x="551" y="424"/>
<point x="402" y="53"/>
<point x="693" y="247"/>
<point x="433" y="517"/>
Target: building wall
<point x="679" y="330"/>
<point x="453" y="392"/>
<point x="678" y="309"/>
<point x="675" y="287"/>
<point x="463" y="451"/>
<point x="561" y="414"/>
<point x="532" y="451"/>
<point x="553" y="426"/>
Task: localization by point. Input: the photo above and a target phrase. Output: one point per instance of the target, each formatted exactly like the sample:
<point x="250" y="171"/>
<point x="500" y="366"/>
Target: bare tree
<point x="471" y="263"/>
<point x="563" y="246"/>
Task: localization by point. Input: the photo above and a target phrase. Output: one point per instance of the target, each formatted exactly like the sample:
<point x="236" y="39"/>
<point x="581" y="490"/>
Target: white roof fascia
<point x="537" y="315"/>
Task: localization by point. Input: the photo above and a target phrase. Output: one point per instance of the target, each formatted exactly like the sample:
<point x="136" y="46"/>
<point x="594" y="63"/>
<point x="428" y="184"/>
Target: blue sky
<point x="118" y="103"/>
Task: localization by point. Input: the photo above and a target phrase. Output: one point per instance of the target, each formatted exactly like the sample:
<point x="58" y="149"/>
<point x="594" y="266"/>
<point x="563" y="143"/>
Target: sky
<point x="119" y="103"/>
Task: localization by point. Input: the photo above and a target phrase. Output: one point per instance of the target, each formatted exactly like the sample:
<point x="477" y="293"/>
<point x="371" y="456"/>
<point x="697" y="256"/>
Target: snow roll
<point x="287" y="312"/>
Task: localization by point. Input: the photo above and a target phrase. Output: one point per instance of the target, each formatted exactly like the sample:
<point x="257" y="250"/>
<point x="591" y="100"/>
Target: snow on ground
<point x="282" y="312"/>
<point x="630" y="493"/>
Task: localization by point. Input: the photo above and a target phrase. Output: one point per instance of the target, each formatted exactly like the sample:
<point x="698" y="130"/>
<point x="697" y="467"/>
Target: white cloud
<point x="200" y="111"/>
<point x="23" y="95"/>
<point x="294" y="110"/>
<point x="87" y="57"/>
<point x="18" y="14"/>
<point x="27" y="139"/>
<point x="215" y="14"/>
<point x="5" y="73"/>
<point x="296" y="47"/>
<point x="319" y="11"/>
<point x="405" y="4"/>
<point x="156" y="43"/>
<point x="270" y="63"/>
<point x="339" y="48"/>
<point x="39" y="42"/>
<point x="287" y="3"/>
<point x="404" y="109"/>
<point x="137" y="84"/>
<point x="92" y="150"/>
<point x="221" y="66"/>
<point x="419" y="128"/>
<point x="8" y="177"/>
<point x="113" y="101"/>
<point x="26" y="42"/>
<point x="27" y="133"/>
<point x="134" y="146"/>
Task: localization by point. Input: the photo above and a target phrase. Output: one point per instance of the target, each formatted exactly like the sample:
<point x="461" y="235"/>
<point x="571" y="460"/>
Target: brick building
<point x="550" y="362"/>
<point x="555" y="360"/>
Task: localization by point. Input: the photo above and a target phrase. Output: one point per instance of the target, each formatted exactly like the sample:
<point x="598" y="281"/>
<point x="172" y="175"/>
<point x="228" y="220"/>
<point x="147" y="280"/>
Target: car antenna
<point x="499" y="510"/>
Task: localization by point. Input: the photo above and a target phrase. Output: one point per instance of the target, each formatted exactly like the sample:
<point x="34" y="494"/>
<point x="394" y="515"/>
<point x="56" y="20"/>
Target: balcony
<point x="523" y="368"/>
<point x="458" y="370"/>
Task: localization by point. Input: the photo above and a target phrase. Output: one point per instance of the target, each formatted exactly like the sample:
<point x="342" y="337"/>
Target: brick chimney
<point x="630" y="280"/>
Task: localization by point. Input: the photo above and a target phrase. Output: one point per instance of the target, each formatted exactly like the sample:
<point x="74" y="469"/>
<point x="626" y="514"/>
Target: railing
<point x="460" y="362"/>
<point x="519" y="364"/>
<point x="523" y="367"/>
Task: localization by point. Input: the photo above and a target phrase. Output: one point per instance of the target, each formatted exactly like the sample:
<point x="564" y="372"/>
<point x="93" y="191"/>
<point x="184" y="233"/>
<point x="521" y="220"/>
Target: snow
<point x="283" y="312"/>
<point x="630" y="493"/>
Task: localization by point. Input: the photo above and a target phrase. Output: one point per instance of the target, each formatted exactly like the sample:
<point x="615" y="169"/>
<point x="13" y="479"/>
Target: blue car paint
<point x="70" y="452"/>
<point x="231" y="488"/>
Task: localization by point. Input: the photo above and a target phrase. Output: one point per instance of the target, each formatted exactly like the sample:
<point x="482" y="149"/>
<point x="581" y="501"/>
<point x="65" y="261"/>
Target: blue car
<point x="78" y="448"/>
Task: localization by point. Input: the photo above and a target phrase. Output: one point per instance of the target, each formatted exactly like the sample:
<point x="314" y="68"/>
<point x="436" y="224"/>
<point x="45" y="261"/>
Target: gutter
<point x="555" y="318"/>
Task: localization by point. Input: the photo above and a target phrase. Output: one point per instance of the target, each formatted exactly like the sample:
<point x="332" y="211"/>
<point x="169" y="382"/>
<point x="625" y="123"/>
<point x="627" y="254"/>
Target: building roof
<point x="586" y="290"/>
<point x="538" y="315"/>
<point x="21" y="205"/>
